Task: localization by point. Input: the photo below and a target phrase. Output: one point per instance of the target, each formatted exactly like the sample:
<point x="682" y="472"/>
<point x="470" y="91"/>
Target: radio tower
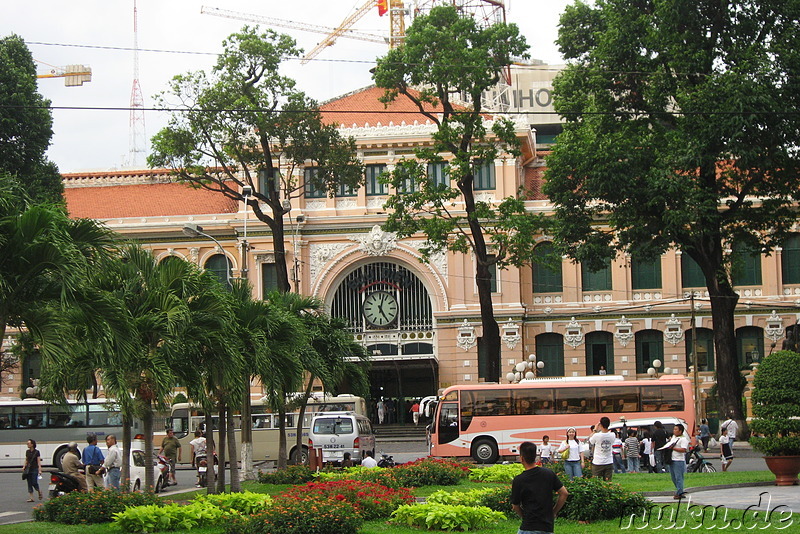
<point x="137" y="139"/>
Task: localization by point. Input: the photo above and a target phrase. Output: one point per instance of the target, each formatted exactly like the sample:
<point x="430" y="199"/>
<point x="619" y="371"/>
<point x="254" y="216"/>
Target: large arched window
<point x="599" y="280"/>
<point x="546" y="270"/>
<point x="745" y="265"/>
<point x="790" y="260"/>
<point x="220" y="265"/>
<point x="599" y="353"/>
<point x="649" y="347"/>
<point x="550" y="350"/>
<point x="705" y="349"/>
<point x="749" y="345"/>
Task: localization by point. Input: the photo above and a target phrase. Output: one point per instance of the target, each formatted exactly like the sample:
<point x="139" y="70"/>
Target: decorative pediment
<point x="377" y="242"/>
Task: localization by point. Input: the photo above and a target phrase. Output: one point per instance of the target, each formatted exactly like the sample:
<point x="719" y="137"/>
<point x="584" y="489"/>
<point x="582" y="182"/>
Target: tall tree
<point x="26" y="124"/>
<point x="243" y="124"/>
<point x="681" y="131"/>
<point x="445" y="55"/>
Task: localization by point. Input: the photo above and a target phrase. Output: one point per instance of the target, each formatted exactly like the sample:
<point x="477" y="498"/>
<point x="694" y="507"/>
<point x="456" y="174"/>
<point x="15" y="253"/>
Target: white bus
<point x="53" y="426"/>
<point x="186" y="418"/>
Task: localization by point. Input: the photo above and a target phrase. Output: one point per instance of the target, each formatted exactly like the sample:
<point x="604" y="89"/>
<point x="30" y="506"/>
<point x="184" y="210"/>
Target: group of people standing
<point x="93" y="470"/>
<point x="388" y="411"/>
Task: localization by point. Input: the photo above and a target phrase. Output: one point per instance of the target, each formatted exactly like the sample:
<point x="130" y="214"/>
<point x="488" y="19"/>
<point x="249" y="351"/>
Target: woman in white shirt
<point x="573" y="463"/>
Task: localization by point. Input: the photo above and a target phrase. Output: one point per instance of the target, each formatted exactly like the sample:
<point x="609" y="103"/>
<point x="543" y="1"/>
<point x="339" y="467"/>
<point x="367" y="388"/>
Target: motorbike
<point x="61" y="484"/>
<point x="201" y="462"/>
<point x="386" y="461"/>
<point x="163" y="470"/>
<point x="697" y="463"/>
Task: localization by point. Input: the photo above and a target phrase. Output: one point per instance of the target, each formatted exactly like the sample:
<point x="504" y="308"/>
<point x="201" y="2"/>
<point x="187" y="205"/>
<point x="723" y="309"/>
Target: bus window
<point x="99" y="415"/>
<point x="576" y="400"/>
<point x="262" y="421"/>
<point x="72" y="415"/>
<point x="6" y="417"/>
<point x="662" y="398"/>
<point x="621" y="399"/>
<point x="448" y="422"/>
<point x="451" y="396"/>
<point x="491" y="402"/>
<point x="533" y="401"/>
<point x="30" y="416"/>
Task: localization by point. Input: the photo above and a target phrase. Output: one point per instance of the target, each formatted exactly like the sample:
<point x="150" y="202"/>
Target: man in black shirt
<point x="660" y="438"/>
<point x="532" y="493"/>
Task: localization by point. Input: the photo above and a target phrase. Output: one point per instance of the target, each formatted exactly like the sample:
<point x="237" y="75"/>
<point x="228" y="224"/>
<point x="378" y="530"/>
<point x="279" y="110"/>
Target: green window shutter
<point x="547" y="277"/>
<point x="790" y="260"/>
<point x="599" y="352"/>
<point x="550" y="350"/>
<point x="484" y="175"/>
<point x="374" y="186"/>
<point x="596" y="280"/>
<point x="269" y="279"/>
<point x="649" y="347"/>
<point x="745" y="266"/>
<point x="437" y="173"/>
<point x="646" y="274"/>
<point x="310" y="191"/>
<point x="220" y="266"/>
<point x="691" y="275"/>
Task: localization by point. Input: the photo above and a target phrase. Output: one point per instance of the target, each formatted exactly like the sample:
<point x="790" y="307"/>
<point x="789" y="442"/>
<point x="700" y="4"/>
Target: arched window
<point x="790" y="260"/>
<point x="599" y="280"/>
<point x="691" y="275"/>
<point x="749" y="345"/>
<point x="646" y="274"/>
<point x="649" y="347"/>
<point x="169" y="259"/>
<point x="546" y="270"/>
<point x="745" y="265"/>
<point x="550" y="350"/>
<point x="599" y="353"/>
<point x="220" y="265"/>
<point x="705" y="349"/>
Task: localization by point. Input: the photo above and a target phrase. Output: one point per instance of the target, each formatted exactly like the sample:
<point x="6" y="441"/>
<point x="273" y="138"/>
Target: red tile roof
<point x="147" y="194"/>
<point x="354" y="109"/>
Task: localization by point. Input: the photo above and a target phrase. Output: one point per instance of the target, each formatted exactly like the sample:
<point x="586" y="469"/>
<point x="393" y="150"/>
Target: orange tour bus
<point x="487" y="421"/>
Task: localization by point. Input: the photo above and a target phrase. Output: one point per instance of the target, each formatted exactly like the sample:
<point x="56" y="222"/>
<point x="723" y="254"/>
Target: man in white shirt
<point x="603" y="459"/>
<point x="368" y="460"/>
<point x="730" y="428"/>
<point x="677" y="446"/>
<point x="113" y="463"/>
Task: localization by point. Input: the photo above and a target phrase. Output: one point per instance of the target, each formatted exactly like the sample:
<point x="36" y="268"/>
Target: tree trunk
<point x="282" y="436"/>
<point x="126" y="446"/>
<point x="279" y="246"/>
<point x="236" y="486"/>
<point x="211" y="479"/>
<point x="299" y="442"/>
<point x="223" y="410"/>
<point x="247" y="472"/>
<point x="147" y="423"/>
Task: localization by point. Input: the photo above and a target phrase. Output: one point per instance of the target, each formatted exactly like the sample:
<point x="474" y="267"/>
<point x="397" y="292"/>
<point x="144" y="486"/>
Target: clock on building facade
<point x="380" y="309"/>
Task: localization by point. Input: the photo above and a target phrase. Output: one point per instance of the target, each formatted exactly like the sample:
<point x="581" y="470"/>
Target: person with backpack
<point x="660" y="438"/>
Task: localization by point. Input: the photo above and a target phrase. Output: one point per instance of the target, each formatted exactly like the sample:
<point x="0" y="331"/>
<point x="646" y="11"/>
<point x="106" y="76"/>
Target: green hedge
<point x="776" y="405"/>
<point x="88" y="508"/>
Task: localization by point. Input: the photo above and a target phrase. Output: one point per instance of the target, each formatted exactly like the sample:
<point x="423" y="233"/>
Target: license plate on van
<point x="333" y="446"/>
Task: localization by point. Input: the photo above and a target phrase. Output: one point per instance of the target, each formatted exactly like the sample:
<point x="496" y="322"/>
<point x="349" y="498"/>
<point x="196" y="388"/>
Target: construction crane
<point x="282" y="23"/>
<point x="74" y="75"/>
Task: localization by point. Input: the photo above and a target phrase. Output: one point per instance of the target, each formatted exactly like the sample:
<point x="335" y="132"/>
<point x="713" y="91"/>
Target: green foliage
<point x="776" y="405"/>
<point x="88" y="508"/>
<point x="446" y="516"/>
<point x="592" y="499"/>
<point x="497" y="499"/>
<point x="293" y="474"/>
<point x="143" y="519"/>
<point x="247" y="502"/>
<point x="504" y="473"/>
<point x="370" y="500"/>
<point x="300" y="516"/>
<point x="26" y="124"/>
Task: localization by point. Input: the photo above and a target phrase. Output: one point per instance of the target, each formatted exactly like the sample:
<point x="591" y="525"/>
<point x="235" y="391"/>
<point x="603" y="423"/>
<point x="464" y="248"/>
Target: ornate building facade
<point x="624" y="319"/>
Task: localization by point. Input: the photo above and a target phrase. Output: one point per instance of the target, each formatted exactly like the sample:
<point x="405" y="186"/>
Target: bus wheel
<point x="59" y="455"/>
<point x="302" y="457"/>
<point x="484" y="451"/>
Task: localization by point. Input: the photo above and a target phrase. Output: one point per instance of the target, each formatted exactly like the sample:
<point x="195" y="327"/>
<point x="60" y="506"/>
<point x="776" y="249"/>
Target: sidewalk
<point x="762" y="495"/>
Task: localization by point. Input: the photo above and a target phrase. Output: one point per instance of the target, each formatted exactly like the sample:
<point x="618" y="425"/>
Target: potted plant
<point x="776" y="410"/>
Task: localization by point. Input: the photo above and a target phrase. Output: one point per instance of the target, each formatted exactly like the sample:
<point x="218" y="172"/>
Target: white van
<point x="335" y="433"/>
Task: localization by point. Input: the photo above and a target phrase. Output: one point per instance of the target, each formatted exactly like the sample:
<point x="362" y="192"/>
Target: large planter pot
<point x="785" y="469"/>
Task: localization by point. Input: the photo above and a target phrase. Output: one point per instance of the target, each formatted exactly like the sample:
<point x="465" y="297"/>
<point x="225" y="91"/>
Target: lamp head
<point x="247" y="191"/>
<point x="192" y="230"/>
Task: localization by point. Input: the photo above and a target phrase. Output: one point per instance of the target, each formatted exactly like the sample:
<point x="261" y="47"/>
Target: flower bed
<point x="370" y="500"/>
<point x="304" y="515"/>
<point x="423" y="472"/>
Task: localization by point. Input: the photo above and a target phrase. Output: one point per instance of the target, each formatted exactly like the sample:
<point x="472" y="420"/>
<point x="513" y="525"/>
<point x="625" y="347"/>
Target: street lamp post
<point x="526" y="370"/>
<point x="247" y="192"/>
<point x="195" y="230"/>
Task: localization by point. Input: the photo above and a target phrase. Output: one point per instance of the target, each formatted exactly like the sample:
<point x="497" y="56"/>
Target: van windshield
<point x="333" y="425"/>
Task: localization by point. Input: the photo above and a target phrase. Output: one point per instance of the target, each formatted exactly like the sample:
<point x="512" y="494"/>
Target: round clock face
<point x="380" y="308"/>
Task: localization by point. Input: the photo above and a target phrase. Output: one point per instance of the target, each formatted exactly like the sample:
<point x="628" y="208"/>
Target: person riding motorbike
<point x="198" y="445"/>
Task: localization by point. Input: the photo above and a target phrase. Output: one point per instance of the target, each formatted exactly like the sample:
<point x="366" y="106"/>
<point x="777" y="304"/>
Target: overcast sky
<point x="87" y="139"/>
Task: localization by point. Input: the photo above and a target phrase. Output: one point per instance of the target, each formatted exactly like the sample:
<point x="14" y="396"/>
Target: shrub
<point x="247" y="502"/>
<point x="503" y="473"/>
<point x="497" y="499"/>
<point x="445" y="516"/>
<point x="592" y="499"/>
<point x="370" y="500"/>
<point x="776" y="405"/>
<point x="306" y="515"/>
<point x="294" y="474"/>
<point x="142" y="519"/>
<point x="89" y="508"/>
<point x="430" y="472"/>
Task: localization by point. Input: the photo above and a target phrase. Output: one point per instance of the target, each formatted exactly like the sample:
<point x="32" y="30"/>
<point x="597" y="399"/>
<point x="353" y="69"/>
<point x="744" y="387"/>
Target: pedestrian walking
<point x="726" y="453"/>
<point x="677" y="447"/>
<point x="631" y="451"/>
<point x="546" y="450"/>
<point x="730" y="429"/>
<point x="381" y="411"/>
<point x="415" y="412"/>
<point x="705" y="434"/>
<point x="532" y="493"/>
<point x="573" y="463"/>
<point x="32" y="469"/>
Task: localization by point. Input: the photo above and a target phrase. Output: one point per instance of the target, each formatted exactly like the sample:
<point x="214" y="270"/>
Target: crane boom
<point x="74" y="75"/>
<point x="314" y="28"/>
<point x="340" y="31"/>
